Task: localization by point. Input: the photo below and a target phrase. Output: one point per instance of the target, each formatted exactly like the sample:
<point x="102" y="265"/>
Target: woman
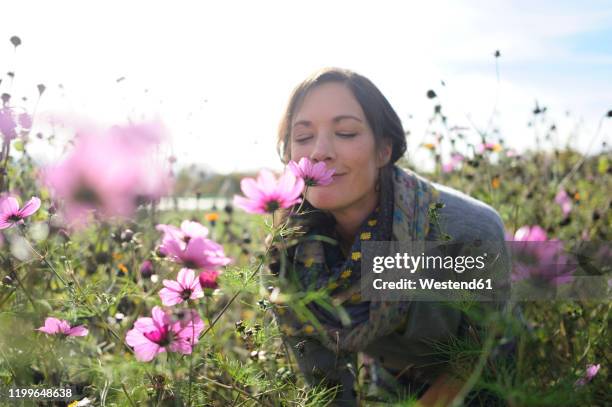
<point x="340" y="118"/>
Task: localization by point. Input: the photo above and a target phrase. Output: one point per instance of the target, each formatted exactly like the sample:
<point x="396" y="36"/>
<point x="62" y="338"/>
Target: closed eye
<point x="346" y="135"/>
<point x="302" y="139"/>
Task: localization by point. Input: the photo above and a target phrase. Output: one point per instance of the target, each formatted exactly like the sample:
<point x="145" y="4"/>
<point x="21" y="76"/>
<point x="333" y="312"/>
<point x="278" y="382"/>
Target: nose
<point x="323" y="149"/>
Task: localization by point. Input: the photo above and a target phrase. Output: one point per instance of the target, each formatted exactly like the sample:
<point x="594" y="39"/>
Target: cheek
<point x="296" y="152"/>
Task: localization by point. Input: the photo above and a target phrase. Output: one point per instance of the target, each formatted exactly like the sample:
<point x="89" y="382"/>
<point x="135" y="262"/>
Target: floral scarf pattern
<point x="320" y="265"/>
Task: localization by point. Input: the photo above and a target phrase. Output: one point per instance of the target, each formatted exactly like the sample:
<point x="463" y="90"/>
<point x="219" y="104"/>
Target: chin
<point x="325" y="200"/>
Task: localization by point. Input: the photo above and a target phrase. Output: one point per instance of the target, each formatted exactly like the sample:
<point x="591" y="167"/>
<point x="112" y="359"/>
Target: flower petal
<point x="30" y="207"/>
<point x="9" y="206"/>
<point x="169" y="297"/>
<point x="78" y="331"/>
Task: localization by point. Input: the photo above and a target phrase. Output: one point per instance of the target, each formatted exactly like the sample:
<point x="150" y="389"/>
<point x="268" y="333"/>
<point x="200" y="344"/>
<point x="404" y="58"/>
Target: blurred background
<point x="219" y="73"/>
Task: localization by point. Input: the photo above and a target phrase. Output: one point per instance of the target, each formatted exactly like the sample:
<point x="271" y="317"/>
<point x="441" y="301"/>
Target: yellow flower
<point x="366" y="236"/>
<point x="247" y="314"/>
<point x="496" y="148"/>
<point x="356" y="256"/>
<point x="117" y="256"/>
<point x="346" y="273"/>
<point x="372" y="222"/>
<point x="308" y="329"/>
<point x="429" y="146"/>
<point x="74" y="403"/>
<point x="287" y="329"/>
<point x="308" y="262"/>
<point x="495" y="182"/>
<point x="122" y="267"/>
<point x="211" y="217"/>
<point x="332" y="286"/>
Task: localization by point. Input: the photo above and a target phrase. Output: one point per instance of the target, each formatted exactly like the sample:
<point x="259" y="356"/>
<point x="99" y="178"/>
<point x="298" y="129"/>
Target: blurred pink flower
<point x="197" y="253"/>
<point x="25" y="121"/>
<point x="537" y="258"/>
<point x="208" y="279"/>
<point x="267" y="193"/>
<point x="454" y="162"/>
<point x="109" y="172"/>
<point x="511" y="153"/>
<point x="54" y="326"/>
<point x="146" y="269"/>
<point x="7" y="124"/>
<point x="312" y="174"/>
<point x="10" y="214"/>
<point x="151" y="336"/>
<point x="12" y="124"/>
<point x="530" y="234"/>
<point x="186" y="287"/>
<point x="564" y="201"/>
<point x="589" y="374"/>
<point x="188" y="231"/>
<point x="488" y="146"/>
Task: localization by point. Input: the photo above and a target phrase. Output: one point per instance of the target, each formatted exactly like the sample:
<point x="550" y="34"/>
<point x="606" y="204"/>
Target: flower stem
<point x="44" y="259"/>
<point x="235" y="295"/>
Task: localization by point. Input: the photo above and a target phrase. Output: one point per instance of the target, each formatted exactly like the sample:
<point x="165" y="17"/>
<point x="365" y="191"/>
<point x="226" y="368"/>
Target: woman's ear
<point x="384" y="154"/>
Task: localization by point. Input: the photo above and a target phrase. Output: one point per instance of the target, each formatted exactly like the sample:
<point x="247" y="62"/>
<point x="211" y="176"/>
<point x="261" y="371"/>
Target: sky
<point x="219" y="74"/>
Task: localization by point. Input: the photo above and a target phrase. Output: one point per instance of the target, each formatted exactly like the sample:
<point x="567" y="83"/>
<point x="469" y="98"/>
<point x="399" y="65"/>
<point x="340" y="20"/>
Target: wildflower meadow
<point x="123" y="302"/>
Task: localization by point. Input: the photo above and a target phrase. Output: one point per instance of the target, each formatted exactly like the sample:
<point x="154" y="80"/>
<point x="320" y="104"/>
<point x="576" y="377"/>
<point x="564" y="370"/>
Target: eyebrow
<point x="335" y="120"/>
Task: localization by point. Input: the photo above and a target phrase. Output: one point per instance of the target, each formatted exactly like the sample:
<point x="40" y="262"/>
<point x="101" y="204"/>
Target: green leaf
<point x="603" y="165"/>
<point x="18" y="145"/>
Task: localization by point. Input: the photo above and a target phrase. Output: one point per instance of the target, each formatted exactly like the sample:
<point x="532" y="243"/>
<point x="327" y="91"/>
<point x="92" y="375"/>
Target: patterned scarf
<point x="319" y="264"/>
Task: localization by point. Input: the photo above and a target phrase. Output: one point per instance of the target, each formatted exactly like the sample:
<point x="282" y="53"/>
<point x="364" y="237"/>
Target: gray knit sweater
<point x="409" y="348"/>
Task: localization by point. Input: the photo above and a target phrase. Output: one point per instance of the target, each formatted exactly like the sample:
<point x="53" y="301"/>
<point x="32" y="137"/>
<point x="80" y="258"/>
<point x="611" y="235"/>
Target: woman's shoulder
<point x="465" y="218"/>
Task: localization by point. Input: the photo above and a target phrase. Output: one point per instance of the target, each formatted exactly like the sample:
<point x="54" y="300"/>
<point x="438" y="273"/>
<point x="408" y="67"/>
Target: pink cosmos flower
<point x="312" y="174"/>
<point x="11" y="214"/>
<point x="488" y="146"/>
<point x="109" y="172"/>
<point x="564" y="201"/>
<point x="454" y="162"/>
<point x="7" y="124"/>
<point x="152" y="336"/>
<point x="188" y="231"/>
<point x="186" y="287"/>
<point x="208" y="279"/>
<point x="537" y="258"/>
<point x="197" y="253"/>
<point x="12" y="124"/>
<point x="589" y="374"/>
<point x="530" y="234"/>
<point x="54" y="326"/>
<point x="267" y="193"/>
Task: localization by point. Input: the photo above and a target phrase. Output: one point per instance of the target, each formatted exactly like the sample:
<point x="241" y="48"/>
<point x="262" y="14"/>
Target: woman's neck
<point x="349" y="219"/>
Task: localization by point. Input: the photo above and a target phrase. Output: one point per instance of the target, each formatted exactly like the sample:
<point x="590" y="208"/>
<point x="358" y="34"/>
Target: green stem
<point x="44" y="259"/>
<point x="128" y="395"/>
<point x="235" y="295"/>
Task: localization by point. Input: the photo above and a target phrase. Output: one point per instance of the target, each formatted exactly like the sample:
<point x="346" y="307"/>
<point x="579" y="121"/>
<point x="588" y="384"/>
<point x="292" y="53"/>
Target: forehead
<point x="327" y="101"/>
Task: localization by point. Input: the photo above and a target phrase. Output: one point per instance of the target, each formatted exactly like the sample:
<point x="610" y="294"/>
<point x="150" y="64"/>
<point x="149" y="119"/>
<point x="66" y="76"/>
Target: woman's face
<point x="330" y="126"/>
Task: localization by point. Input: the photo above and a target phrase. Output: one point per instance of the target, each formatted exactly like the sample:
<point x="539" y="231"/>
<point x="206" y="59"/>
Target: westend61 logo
<point x="485" y="271"/>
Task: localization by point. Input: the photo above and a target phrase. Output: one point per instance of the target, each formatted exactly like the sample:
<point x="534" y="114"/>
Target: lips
<point x="336" y="177"/>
